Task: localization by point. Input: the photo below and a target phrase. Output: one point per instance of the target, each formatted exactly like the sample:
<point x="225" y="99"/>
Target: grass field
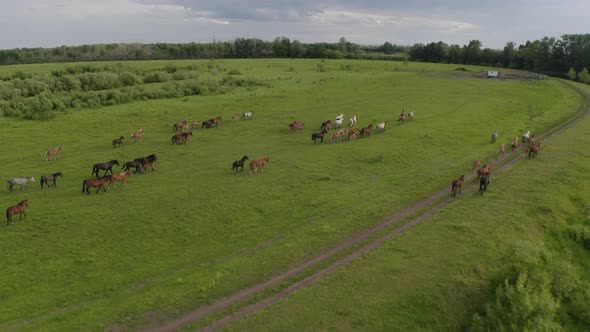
<point x="191" y="232"/>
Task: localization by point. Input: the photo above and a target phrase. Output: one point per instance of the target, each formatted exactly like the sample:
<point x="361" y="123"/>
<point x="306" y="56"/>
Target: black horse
<point x="239" y="163"/>
<point x="50" y="177"/>
<point x="320" y="136"/>
<point x="132" y="164"/>
<point x="108" y="166"/>
<point x="208" y="124"/>
<point x="147" y="161"/>
<point x="118" y="141"/>
<point x="484" y="181"/>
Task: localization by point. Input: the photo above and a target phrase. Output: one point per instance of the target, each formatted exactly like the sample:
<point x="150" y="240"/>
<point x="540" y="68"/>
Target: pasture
<point x="192" y="231"/>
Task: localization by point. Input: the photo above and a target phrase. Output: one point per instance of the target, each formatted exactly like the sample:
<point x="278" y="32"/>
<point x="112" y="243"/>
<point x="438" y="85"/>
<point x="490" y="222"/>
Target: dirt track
<point x="425" y="208"/>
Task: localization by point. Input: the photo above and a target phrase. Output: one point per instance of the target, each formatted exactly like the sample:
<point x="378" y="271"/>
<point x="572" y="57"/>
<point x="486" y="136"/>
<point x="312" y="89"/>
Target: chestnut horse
<point x="53" y="154"/>
<point x="456" y="186"/>
<point x="483" y="171"/>
<point x="137" y="137"/>
<point x="121" y="177"/>
<point x="296" y="125"/>
<point x="532" y="151"/>
<point x="326" y="125"/>
<point x="258" y="163"/>
<point x="148" y="161"/>
<point x="180" y="126"/>
<point x="17" y="209"/>
<point x="181" y="138"/>
<point x="366" y="131"/>
<point x="98" y="183"/>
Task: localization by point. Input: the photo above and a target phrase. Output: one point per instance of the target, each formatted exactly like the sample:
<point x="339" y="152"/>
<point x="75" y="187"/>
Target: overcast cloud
<point x="47" y="23"/>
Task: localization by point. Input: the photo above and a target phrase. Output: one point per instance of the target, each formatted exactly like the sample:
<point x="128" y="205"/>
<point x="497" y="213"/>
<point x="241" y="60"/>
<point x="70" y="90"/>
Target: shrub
<point x="156" y="77"/>
<point x="184" y="75"/>
<point x="128" y="79"/>
<point x="234" y="72"/>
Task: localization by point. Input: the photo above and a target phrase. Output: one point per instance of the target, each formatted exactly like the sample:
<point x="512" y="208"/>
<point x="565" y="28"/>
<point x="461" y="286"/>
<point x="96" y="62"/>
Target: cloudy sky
<point x="47" y="23"/>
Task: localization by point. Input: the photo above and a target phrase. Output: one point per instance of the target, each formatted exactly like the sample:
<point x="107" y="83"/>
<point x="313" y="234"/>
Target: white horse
<point x="411" y="115"/>
<point x="340" y="117"/>
<point x="525" y="137"/>
<point x="339" y="123"/>
<point x="381" y="126"/>
<point x="247" y="115"/>
<point x="22" y="182"/>
<point x="352" y="121"/>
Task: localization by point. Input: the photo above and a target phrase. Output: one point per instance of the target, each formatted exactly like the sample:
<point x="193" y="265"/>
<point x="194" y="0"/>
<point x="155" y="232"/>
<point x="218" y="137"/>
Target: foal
<point x="456" y="186"/>
<point x="137" y="137"/>
<point x="239" y="163"/>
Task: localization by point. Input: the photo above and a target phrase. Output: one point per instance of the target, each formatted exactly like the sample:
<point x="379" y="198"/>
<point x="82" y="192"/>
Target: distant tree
<point x="572" y="74"/>
<point x="472" y="52"/>
<point x="583" y="76"/>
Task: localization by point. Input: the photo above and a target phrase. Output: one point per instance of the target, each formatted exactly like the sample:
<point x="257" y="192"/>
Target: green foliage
<point x="234" y="72"/>
<point x="156" y="77"/>
<point x="128" y="79"/>
<point x="583" y="76"/>
<point x="572" y="74"/>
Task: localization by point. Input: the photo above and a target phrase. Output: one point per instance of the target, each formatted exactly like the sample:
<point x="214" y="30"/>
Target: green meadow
<point x="191" y="231"/>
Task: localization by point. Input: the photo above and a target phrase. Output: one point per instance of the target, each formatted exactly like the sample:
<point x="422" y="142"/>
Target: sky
<point x="50" y="23"/>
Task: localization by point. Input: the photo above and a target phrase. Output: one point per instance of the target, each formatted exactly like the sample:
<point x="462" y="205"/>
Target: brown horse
<point x="258" y="163"/>
<point x="195" y="124"/>
<point x="53" y="154"/>
<point x="181" y="138"/>
<point x="180" y="126"/>
<point x="296" y="125"/>
<point x="121" y="177"/>
<point x="532" y="151"/>
<point x="501" y="150"/>
<point x="216" y="121"/>
<point x="326" y="125"/>
<point x="236" y="117"/>
<point x="98" y="183"/>
<point x="50" y="177"/>
<point x="149" y="161"/>
<point x="366" y="131"/>
<point x="402" y="118"/>
<point x="483" y="170"/>
<point x="456" y="186"/>
<point x="337" y="135"/>
<point x="476" y="166"/>
<point x="17" y="209"/>
<point x="137" y="137"/>
<point x="514" y="144"/>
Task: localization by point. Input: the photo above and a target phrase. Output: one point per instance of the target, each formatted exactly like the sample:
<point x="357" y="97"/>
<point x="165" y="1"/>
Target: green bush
<point x="128" y="79"/>
<point x="156" y="77"/>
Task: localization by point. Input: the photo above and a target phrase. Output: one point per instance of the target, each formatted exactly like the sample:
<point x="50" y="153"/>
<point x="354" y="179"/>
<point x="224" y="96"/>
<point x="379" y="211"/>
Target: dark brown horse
<point x="118" y="141"/>
<point x="366" y="131"/>
<point x="17" y="209"/>
<point x="132" y="164"/>
<point x="181" y="138"/>
<point x="319" y="136"/>
<point x="148" y="161"/>
<point x="50" y="177"/>
<point x="456" y="186"/>
<point x="98" y="183"/>
<point x="108" y="166"/>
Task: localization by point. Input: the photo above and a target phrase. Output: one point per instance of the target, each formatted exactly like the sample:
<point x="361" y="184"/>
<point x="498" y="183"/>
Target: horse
<point x="352" y="136"/>
<point x="247" y="115"/>
<point x="195" y="124"/>
<point x="337" y="135"/>
<point x="22" y="182"/>
<point x="484" y="181"/>
<point x="338" y="123"/>
<point x="495" y="136"/>
<point x="525" y="137"/>
<point x="148" y="161"/>
<point x="17" y="209"/>
<point x="402" y="118"/>
<point x="483" y="171"/>
<point x="532" y="151"/>
<point x="216" y="121"/>
<point x="137" y="137"/>
<point x="456" y="186"/>
<point x="411" y="115"/>
<point x="381" y="126"/>
<point x="181" y="138"/>
<point x="118" y="141"/>
<point x="366" y="131"/>
<point x="55" y="153"/>
<point x="180" y="125"/>
<point x="108" y="166"/>
<point x="476" y="166"/>
<point x="258" y="163"/>
<point x="352" y="121"/>
<point x="95" y="183"/>
<point x="353" y="133"/>
<point x="501" y="150"/>
<point x="50" y="177"/>
<point x="326" y="125"/>
<point x="320" y="136"/>
<point x="296" y="125"/>
<point x="514" y="144"/>
<point x="239" y="163"/>
<point x="132" y="164"/>
<point x="235" y="117"/>
<point x="208" y="124"/>
<point x="121" y="177"/>
<point x="340" y="117"/>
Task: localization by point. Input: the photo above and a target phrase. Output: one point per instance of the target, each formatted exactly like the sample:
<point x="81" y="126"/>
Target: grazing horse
<point x="411" y="115"/>
<point x="514" y="144"/>
<point x="50" y="177"/>
<point x="296" y="125"/>
<point x="501" y="150"/>
<point x="181" y="138"/>
<point x="97" y="183"/>
<point x="53" y="154"/>
<point x="326" y="125"/>
<point x="239" y="163"/>
<point x="17" y="209"/>
<point x="121" y="177"/>
<point x="533" y="150"/>
<point x="381" y="126"/>
<point x="235" y="117"/>
<point x="22" y="182"/>
<point x="366" y="131"/>
<point x="180" y="125"/>
<point x="320" y="136"/>
<point x="495" y="136"/>
<point x="483" y="171"/>
<point x="352" y="121"/>
<point x="137" y="137"/>
<point x="132" y="164"/>
<point x="484" y="181"/>
<point x="476" y="166"/>
<point x="118" y="141"/>
<point x="456" y="186"/>
<point x="525" y="137"/>
<point x="108" y="166"/>
<point x="258" y="163"/>
<point x="247" y="115"/>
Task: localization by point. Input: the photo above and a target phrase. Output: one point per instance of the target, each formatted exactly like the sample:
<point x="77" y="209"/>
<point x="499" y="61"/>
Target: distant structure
<point x="493" y="74"/>
<point x="513" y="74"/>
